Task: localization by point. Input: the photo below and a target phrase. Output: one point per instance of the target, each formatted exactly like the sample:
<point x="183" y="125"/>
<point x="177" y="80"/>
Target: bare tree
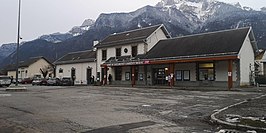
<point x="46" y="70"/>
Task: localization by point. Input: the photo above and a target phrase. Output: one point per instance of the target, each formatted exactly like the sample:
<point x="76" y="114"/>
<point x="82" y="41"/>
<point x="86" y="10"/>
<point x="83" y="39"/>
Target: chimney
<point x="94" y="44"/>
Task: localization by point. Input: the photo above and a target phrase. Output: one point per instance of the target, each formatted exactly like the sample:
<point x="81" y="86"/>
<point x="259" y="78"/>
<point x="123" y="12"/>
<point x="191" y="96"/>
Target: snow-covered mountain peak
<point x="75" y="31"/>
<point x="200" y="9"/>
<point x="79" y="30"/>
<point x="88" y="22"/>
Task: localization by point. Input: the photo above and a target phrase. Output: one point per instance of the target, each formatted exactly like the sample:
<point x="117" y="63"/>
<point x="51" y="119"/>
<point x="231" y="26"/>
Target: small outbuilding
<point x="31" y="68"/>
<point x="80" y="66"/>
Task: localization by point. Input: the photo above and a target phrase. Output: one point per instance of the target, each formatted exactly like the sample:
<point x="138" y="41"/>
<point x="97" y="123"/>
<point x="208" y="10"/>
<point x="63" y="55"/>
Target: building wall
<point x="190" y="67"/>
<point x="155" y="38"/>
<point x="11" y="74"/>
<point x="246" y="56"/>
<point x="124" y="70"/>
<point x="34" y="69"/>
<point x="221" y="74"/>
<point x="31" y="71"/>
<point x="24" y="73"/>
<point x="142" y="49"/>
<point x="111" y="52"/>
<point x="221" y="70"/>
<point x="81" y="71"/>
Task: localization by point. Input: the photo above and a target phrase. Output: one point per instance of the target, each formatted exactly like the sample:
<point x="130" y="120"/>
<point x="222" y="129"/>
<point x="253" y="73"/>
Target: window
<point x="206" y="71"/>
<point x="140" y="77"/>
<point x="127" y="76"/>
<point x="104" y="54"/>
<point x="125" y="50"/>
<point x="178" y="75"/>
<point x="134" y="51"/>
<point x="118" y="73"/>
<point x="186" y="75"/>
<point x="183" y="75"/>
<point x="118" y="52"/>
<point x="60" y="70"/>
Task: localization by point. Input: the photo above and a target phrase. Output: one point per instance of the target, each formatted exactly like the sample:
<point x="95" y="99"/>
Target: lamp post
<point x="18" y="37"/>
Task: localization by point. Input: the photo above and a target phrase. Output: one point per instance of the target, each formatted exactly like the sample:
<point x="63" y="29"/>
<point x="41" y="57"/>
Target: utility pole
<point x="18" y="37"/>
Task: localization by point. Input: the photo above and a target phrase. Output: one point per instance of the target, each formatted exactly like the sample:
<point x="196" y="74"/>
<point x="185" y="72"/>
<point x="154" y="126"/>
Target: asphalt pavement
<point x="93" y="109"/>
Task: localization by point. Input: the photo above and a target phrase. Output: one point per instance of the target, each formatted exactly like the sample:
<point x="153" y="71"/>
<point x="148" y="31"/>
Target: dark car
<point x="39" y="81"/>
<point x="54" y="81"/>
<point x="26" y="81"/>
<point x="260" y="80"/>
<point x="5" y="81"/>
<point x="66" y="81"/>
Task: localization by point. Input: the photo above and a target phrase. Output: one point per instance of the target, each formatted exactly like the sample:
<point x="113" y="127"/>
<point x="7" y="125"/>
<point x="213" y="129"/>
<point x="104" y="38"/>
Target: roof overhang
<point x="169" y="61"/>
<point x="75" y="61"/>
<point x="253" y="41"/>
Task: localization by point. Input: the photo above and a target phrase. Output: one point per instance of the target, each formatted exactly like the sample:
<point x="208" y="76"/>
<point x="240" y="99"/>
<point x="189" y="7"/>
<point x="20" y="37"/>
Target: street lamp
<point x="18" y="37"/>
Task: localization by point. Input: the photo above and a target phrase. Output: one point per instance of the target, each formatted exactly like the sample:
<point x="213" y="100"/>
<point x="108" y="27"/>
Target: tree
<point x="46" y="70"/>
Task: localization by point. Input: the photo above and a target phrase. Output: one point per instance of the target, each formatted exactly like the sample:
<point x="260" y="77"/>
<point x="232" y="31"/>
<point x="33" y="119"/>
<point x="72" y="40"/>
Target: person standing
<point x="110" y="78"/>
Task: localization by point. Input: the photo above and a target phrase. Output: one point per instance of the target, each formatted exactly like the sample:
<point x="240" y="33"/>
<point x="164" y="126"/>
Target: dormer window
<point x="134" y="51"/>
<point x="118" y="52"/>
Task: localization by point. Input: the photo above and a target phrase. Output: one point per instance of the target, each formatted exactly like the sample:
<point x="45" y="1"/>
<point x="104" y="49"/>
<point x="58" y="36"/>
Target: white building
<point x="127" y="45"/>
<point x="80" y="66"/>
<point x="149" y="56"/>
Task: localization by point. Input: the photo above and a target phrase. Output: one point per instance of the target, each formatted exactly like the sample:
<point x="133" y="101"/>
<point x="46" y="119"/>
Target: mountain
<point x="75" y="31"/>
<point x="181" y="17"/>
<point x="6" y="50"/>
<point x="212" y="15"/>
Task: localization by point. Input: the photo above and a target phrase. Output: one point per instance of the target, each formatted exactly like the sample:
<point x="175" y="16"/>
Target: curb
<point x="214" y="119"/>
<point x="17" y="89"/>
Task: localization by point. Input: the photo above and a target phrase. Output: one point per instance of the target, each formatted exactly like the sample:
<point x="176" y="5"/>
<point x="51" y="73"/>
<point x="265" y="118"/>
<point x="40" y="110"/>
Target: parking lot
<point x="96" y="109"/>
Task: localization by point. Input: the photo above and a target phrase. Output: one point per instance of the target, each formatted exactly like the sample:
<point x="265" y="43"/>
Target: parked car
<point x="26" y="81"/>
<point x="5" y="81"/>
<point x="67" y="81"/>
<point x="39" y="81"/>
<point x="54" y="81"/>
<point x="260" y="80"/>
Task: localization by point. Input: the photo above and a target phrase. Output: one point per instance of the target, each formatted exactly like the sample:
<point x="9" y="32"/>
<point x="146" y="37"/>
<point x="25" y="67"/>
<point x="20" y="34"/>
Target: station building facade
<point x="150" y="56"/>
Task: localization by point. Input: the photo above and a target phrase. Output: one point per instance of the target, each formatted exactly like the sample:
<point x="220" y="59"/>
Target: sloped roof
<point x="26" y="63"/>
<point x="77" y="57"/>
<point x="133" y="36"/>
<point x="228" y="42"/>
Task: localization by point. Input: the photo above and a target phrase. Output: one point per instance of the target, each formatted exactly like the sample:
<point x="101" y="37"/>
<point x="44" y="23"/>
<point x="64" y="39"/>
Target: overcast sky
<point x="49" y="16"/>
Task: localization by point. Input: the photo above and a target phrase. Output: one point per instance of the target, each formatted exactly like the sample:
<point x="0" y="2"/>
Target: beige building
<point x="80" y="66"/>
<point x="31" y="68"/>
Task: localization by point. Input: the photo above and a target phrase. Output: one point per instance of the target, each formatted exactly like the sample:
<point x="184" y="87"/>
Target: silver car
<point x="5" y="81"/>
